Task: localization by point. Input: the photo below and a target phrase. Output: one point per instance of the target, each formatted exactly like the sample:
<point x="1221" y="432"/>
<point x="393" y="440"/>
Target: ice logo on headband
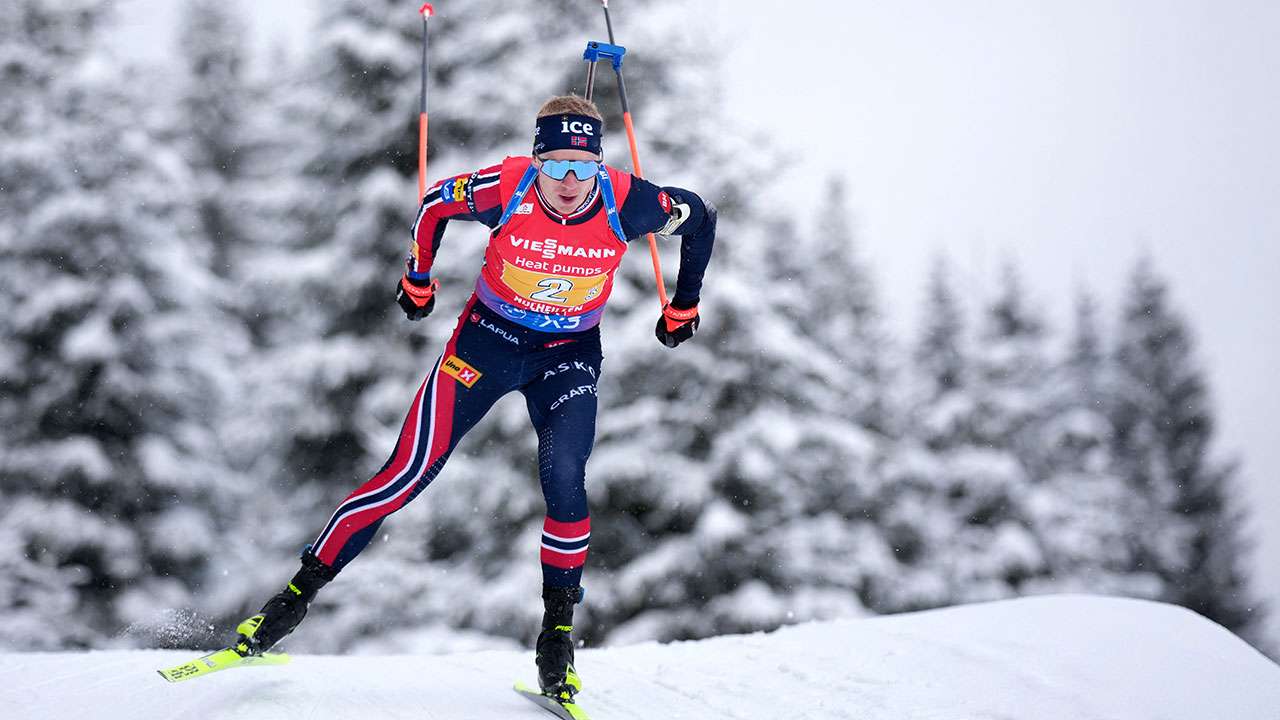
<point x="577" y="127"/>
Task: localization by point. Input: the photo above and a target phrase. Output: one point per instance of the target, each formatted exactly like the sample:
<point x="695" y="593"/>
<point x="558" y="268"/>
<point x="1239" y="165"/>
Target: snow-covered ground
<point x="1051" y="658"/>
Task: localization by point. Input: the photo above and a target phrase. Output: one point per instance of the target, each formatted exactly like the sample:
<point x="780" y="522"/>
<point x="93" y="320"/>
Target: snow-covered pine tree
<point x="1080" y="510"/>
<point x="1011" y="365"/>
<point x="918" y="521"/>
<point x="111" y="369"/>
<point x="211" y="125"/>
<point x="960" y="475"/>
<point x="830" y="554"/>
<point x="856" y="335"/>
<point x="941" y="353"/>
<point x="1191" y="532"/>
<point x="993" y="552"/>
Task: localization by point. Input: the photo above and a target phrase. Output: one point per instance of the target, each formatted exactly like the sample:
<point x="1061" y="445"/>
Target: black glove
<point x="677" y="324"/>
<point x="416" y="297"/>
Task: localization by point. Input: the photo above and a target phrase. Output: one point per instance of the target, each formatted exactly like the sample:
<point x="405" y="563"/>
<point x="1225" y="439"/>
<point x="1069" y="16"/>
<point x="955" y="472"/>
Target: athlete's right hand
<point x="416" y="297"/>
<point x="677" y="324"/>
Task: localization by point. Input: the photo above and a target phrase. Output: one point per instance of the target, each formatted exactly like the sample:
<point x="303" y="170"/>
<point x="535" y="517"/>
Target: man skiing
<point x="560" y="222"/>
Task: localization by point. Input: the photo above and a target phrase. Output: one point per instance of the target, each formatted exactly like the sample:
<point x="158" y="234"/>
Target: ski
<point x="564" y="709"/>
<point x="223" y="659"/>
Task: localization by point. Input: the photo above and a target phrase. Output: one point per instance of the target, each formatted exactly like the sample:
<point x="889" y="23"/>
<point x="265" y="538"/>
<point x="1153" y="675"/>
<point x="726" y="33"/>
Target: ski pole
<point x="594" y="53"/>
<point x="604" y="5"/>
<point x="427" y="11"/>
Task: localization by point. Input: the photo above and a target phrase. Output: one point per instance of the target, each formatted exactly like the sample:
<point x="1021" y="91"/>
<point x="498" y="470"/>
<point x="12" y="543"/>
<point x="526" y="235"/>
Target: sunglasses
<point x="581" y="169"/>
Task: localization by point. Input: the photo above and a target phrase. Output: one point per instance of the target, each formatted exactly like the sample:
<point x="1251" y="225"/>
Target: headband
<point x="567" y="132"/>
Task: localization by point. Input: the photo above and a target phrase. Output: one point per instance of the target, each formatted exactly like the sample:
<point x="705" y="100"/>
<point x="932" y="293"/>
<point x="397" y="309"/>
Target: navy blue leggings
<point x="486" y="358"/>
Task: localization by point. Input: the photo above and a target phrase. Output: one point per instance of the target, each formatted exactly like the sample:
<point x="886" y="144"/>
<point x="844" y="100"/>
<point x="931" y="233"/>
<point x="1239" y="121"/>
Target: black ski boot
<point x="282" y="613"/>
<point x="556" y="675"/>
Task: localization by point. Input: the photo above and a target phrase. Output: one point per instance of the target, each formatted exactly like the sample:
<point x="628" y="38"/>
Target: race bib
<point x="565" y="290"/>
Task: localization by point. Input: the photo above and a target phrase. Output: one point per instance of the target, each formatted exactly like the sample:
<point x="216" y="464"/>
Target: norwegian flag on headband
<point x="578" y="141"/>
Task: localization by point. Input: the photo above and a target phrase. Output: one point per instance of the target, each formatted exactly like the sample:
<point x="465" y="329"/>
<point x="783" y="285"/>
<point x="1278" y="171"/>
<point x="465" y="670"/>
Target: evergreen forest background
<point x="200" y="356"/>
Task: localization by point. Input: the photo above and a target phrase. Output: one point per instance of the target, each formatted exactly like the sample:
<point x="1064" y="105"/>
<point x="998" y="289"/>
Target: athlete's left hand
<point x="677" y="324"/>
<point x="416" y="297"/>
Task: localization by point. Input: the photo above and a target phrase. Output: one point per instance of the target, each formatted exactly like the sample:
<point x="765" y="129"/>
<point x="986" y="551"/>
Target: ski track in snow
<point x="1055" y="658"/>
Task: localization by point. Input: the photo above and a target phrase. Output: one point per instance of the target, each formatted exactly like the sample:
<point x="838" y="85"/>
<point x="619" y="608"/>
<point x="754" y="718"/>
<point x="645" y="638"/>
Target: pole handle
<point x="422" y="157"/>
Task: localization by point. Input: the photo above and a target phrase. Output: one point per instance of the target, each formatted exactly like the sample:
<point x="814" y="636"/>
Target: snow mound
<point x="1048" y="658"/>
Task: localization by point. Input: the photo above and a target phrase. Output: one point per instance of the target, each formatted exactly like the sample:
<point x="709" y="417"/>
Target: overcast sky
<point x="1071" y="137"/>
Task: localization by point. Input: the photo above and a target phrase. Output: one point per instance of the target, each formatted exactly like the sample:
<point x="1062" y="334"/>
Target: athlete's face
<point x="565" y="195"/>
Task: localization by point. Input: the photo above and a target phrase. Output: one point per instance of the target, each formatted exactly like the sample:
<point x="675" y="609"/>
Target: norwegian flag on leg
<point x="564" y="544"/>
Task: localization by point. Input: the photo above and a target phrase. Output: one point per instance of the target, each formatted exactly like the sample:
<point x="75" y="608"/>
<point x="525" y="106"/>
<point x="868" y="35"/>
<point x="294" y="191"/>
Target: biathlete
<point x="561" y="220"/>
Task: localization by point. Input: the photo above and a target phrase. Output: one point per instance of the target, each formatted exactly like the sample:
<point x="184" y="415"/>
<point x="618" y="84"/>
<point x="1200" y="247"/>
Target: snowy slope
<point x="1054" y="658"/>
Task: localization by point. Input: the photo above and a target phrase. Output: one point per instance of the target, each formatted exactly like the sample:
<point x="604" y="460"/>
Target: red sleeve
<point x="470" y="196"/>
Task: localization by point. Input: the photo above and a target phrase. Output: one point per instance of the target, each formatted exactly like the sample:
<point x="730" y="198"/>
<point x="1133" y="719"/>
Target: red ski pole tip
<point x="427" y="10"/>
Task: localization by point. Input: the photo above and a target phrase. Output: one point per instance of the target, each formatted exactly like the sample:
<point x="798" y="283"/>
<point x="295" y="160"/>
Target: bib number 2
<point x="553" y="290"/>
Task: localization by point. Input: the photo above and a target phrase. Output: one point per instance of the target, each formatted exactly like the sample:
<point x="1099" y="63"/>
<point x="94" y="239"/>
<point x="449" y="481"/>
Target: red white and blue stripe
<point x="424" y="444"/>
<point x="564" y="544"/>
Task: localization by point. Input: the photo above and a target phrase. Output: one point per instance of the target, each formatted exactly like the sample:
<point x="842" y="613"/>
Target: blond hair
<point x="570" y="105"/>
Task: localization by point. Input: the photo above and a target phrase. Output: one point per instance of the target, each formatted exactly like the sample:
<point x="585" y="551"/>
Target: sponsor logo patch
<point x="512" y="311"/>
<point x="454" y="189"/>
<point x="499" y="331"/>
<point x="525" y="209"/>
<point x="557" y="322"/>
<point x="551" y="248"/>
<point x="577" y="126"/>
<point x="665" y="201"/>
<point x="575" y="392"/>
<point x="456" y="368"/>
<point x="566" y="367"/>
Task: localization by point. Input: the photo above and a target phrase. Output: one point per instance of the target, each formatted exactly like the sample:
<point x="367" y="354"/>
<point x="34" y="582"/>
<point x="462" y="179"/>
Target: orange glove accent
<point x="416" y="300"/>
<point x="420" y="294"/>
<point x="676" y="317"/>
<point x="676" y="325"/>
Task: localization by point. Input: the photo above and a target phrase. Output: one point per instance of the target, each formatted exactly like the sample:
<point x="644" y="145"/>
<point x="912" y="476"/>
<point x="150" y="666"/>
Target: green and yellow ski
<point x="562" y="707"/>
<point x="223" y="659"/>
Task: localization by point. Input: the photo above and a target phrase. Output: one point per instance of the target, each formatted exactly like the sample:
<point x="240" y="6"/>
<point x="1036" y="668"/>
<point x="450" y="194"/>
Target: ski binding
<point x="562" y="707"/>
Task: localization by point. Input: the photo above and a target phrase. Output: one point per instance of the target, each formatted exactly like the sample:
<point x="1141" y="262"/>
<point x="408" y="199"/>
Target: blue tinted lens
<point x="582" y="169"/>
<point x="555" y="169"/>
